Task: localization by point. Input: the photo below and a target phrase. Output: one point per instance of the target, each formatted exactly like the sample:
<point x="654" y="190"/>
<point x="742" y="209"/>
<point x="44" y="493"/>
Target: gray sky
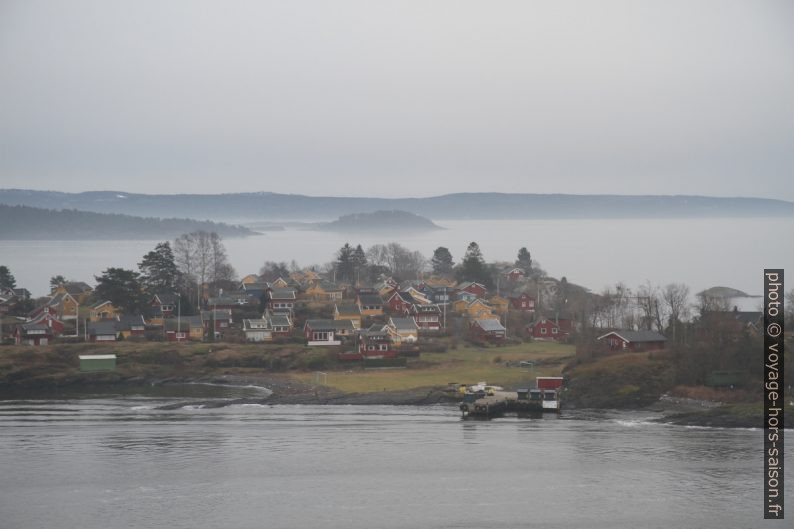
<point x="399" y="98"/>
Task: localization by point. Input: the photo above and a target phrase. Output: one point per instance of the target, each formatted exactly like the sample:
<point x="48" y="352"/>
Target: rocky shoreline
<point x="285" y="390"/>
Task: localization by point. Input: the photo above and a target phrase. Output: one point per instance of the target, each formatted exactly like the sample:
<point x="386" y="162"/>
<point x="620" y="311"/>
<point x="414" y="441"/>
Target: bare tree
<point x="649" y="305"/>
<point x="221" y="269"/>
<point x="675" y="299"/>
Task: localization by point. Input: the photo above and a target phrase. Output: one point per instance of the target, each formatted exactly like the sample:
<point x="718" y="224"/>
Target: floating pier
<point x="499" y="402"/>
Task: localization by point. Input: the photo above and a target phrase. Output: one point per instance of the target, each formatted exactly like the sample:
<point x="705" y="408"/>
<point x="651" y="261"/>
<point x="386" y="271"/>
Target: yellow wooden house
<point x="250" y="278"/>
<point x="475" y="309"/>
<point x="77" y="289"/>
<point x="500" y="305"/>
<point x="102" y="310"/>
<point x="350" y="312"/>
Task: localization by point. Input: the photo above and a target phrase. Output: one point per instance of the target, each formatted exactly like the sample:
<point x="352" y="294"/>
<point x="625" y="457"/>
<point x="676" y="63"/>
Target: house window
<point x="554" y="330"/>
<point x="543" y="330"/>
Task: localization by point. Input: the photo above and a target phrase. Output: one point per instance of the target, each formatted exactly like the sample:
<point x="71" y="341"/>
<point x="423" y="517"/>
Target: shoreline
<point x="288" y="391"/>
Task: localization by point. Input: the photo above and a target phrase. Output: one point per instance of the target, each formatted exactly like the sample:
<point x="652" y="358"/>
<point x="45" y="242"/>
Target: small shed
<point x="93" y="363"/>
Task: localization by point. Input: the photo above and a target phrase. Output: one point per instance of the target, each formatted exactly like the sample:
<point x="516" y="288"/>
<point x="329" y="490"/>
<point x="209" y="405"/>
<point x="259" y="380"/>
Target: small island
<point x="380" y="221"/>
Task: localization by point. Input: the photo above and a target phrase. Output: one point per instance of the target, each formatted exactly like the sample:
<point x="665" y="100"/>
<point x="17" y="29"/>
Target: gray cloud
<point x="399" y="98"/>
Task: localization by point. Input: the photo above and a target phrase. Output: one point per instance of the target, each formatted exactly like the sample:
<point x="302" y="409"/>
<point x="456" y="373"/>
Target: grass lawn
<point x="465" y="364"/>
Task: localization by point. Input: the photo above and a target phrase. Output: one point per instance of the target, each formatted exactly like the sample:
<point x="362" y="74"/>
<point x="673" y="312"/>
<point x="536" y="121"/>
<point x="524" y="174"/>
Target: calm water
<point x="117" y="462"/>
<point x="593" y="253"/>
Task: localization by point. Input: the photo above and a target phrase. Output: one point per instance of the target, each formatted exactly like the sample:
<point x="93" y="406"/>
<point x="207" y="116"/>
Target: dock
<point x="500" y="402"/>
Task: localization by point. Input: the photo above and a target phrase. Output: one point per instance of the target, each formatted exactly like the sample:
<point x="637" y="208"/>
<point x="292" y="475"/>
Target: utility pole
<point x="178" y="317"/>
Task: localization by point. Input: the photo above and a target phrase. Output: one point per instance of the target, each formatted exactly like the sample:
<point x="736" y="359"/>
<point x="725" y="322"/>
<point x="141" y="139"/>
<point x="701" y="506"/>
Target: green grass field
<point x="463" y="365"/>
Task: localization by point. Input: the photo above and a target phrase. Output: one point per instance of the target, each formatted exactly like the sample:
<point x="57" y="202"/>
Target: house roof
<point x="167" y="298"/>
<point x="100" y="303"/>
<point x="348" y="308"/>
<point x="370" y="299"/>
<point x="490" y="325"/>
<point x="429" y="309"/>
<point x="403" y="324"/>
<point x="219" y="314"/>
<point x="34" y="326"/>
<point x="261" y="285"/>
<point x="636" y="336"/>
<point x="467" y="284"/>
<point x="256" y="324"/>
<point x="76" y="287"/>
<point x="102" y="327"/>
<point x="330" y="325"/>
<point x="128" y="320"/>
<point x="282" y="293"/>
<point x="280" y="320"/>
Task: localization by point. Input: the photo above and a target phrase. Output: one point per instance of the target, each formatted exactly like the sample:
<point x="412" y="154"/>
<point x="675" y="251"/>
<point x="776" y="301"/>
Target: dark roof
<point x="167" y="298"/>
<point x="408" y="298"/>
<point x="282" y="293"/>
<point x="128" y="320"/>
<point x="348" y="308"/>
<point x="637" y="336"/>
<point x="102" y="327"/>
<point x="330" y="325"/>
<point x="280" y="320"/>
<point x="256" y="286"/>
<point x="76" y="287"/>
<point x="220" y="314"/>
<point x="370" y="299"/>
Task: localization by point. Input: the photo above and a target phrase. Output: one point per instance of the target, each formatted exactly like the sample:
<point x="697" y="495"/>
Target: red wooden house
<point x="39" y="331"/>
<point x="376" y="342"/>
<point x="489" y="329"/>
<point x="164" y="305"/>
<point x="515" y="274"/>
<point x="477" y="289"/>
<point x="547" y="329"/>
<point x="623" y="339"/>
<point x="523" y="302"/>
<point x="400" y="303"/>
<point x="426" y="316"/>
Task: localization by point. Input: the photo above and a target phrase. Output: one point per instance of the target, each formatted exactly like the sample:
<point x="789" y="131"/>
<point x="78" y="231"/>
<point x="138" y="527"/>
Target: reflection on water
<point x="124" y="462"/>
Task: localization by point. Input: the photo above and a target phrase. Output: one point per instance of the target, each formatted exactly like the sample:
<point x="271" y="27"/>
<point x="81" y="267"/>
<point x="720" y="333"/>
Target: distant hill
<point x="249" y="207"/>
<point x="28" y="223"/>
<point x="381" y="221"/>
<point x="723" y="292"/>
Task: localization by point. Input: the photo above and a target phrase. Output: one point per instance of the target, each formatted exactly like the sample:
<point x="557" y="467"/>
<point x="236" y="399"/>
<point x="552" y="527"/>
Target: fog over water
<point x="594" y="253"/>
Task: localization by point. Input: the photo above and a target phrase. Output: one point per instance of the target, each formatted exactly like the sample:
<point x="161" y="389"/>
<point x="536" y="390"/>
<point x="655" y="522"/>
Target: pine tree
<point x="6" y="278"/>
<point x="56" y="281"/>
<point x="121" y="287"/>
<point x="442" y="261"/>
<point x="158" y="271"/>
<point x="473" y="267"/>
<point x="359" y="262"/>
<point x="345" y="265"/>
<point x="524" y="260"/>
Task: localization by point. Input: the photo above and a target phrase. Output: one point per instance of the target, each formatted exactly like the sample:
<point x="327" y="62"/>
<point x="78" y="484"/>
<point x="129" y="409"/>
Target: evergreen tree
<point x="345" y="264"/>
<point x="121" y="287"/>
<point x="158" y="271"/>
<point x="6" y="278"/>
<point x="473" y="267"/>
<point x="359" y="262"/>
<point x="56" y="280"/>
<point x="442" y="261"/>
<point x="524" y="260"/>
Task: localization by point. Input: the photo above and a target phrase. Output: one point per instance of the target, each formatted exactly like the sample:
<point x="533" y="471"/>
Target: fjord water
<point x="594" y="253"/>
<point x="119" y="462"/>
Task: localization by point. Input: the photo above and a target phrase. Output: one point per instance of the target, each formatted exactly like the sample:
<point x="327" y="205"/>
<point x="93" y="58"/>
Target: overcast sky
<point x="399" y="98"/>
